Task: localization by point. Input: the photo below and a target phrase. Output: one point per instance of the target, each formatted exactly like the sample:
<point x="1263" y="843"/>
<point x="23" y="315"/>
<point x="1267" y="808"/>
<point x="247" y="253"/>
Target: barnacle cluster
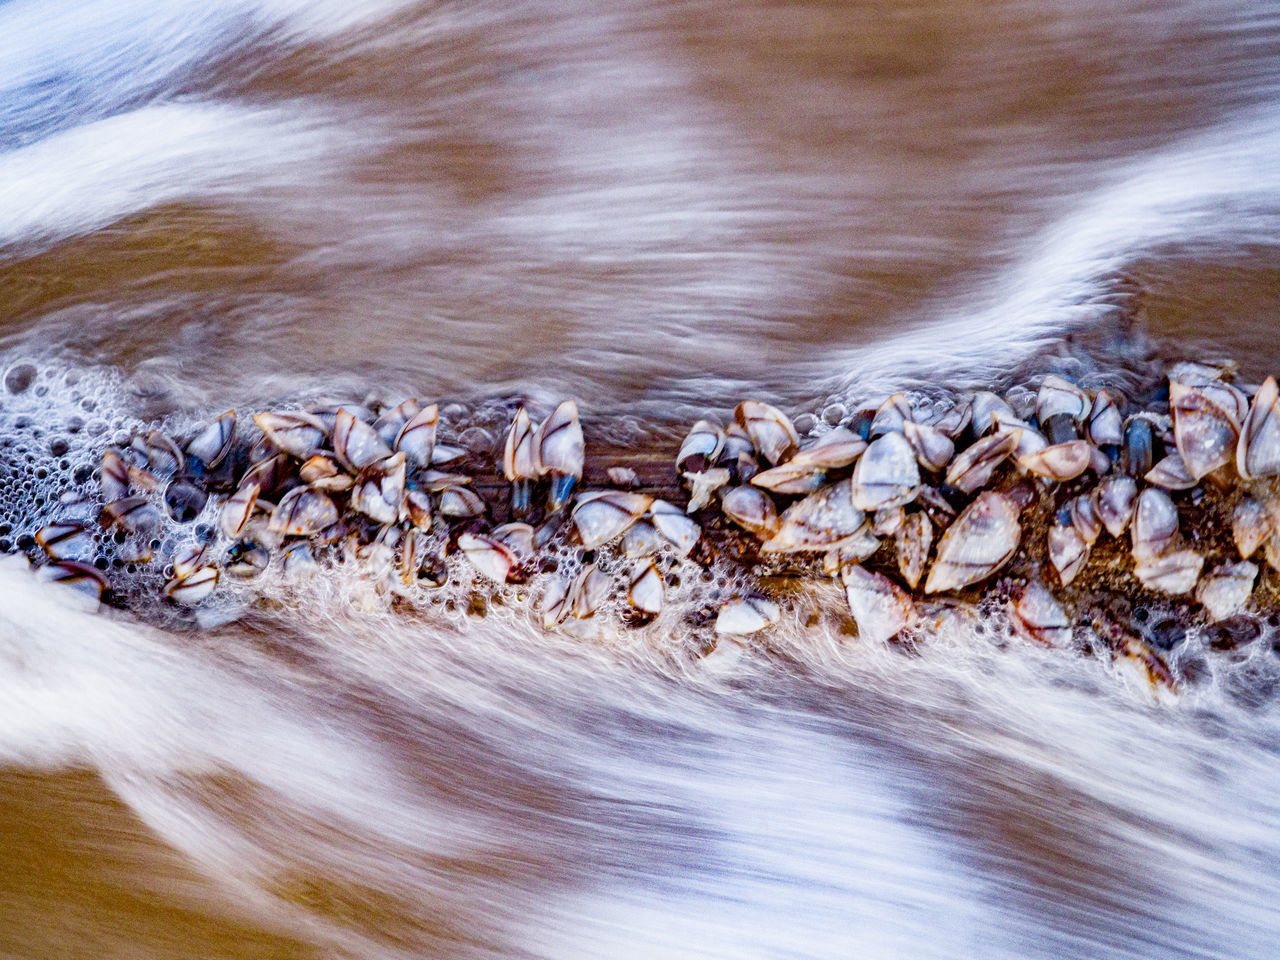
<point x="1046" y="499"/>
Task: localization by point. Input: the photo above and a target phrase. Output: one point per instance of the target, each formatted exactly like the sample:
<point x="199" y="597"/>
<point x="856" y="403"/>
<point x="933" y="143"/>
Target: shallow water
<point x="658" y="209"/>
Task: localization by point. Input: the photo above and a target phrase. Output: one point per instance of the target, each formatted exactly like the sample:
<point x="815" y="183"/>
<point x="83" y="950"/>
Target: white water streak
<point x="1211" y="196"/>
<point x="85" y="178"/>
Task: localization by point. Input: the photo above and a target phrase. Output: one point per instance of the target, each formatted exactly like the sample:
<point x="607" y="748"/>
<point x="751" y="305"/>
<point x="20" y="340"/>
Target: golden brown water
<point x="657" y="208"/>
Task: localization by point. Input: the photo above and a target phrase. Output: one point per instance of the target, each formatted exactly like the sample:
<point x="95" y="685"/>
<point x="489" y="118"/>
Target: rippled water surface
<point x="657" y="208"/>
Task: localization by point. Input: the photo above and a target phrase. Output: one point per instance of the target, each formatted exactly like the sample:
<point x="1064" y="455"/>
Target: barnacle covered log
<point x="1058" y="501"/>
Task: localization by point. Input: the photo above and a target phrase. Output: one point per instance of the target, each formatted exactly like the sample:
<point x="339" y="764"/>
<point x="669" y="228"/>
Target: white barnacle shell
<point x="1230" y="399"/>
<point x="1084" y="517"/>
<point x="953" y="422"/>
<point x="805" y="471"/>
<point x="646" y="590"/>
<point x="236" y="511"/>
<point x="1030" y="440"/>
<point x="302" y="512"/>
<point x="1251" y="526"/>
<point x="600" y="517"/>
<point x="887" y="521"/>
<point x="133" y="514"/>
<point x="114" y="480"/>
<point x="886" y="475"/>
<point x="326" y="414"/>
<point x="519" y="536"/>
<point x="1133" y="656"/>
<point x="520" y="455"/>
<point x="82" y="577"/>
<point x="703" y="484"/>
<point x="972" y="468"/>
<point x="1226" y="590"/>
<point x="445" y="453"/>
<point x="858" y="546"/>
<point x="460" y="501"/>
<point x="980" y="541"/>
<point x="985" y="405"/>
<point x="1155" y="524"/>
<point x="410" y="558"/>
<point x="559" y="442"/>
<point x="258" y="529"/>
<point x="355" y="443"/>
<point x="1061" y="461"/>
<point x="1106" y="427"/>
<point x="770" y="429"/>
<point x="66" y="541"/>
<point x="1037" y="616"/>
<point x="790" y="477"/>
<point x="392" y="420"/>
<point x="1173" y="573"/>
<point x="379" y="490"/>
<point x="818" y="522"/>
<point x="641" y="540"/>
<point x="189" y="560"/>
<point x="268" y="474"/>
<point x="676" y="526"/>
<point x="1113" y="500"/>
<point x="913" y="540"/>
<point x="212" y="443"/>
<point x="555" y="600"/>
<point x="752" y="509"/>
<point x="933" y="448"/>
<point x="744" y="615"/>
<point x="163" y="455"/>
<point x="323" y="473"/>
<point x="1258" y="450"/>
<point x="417" y="438"/>
<point x="589" y="591"/>
<point x="1057" y="397"/>
<point x="835" y="448"/>
<point x="143" y="479"/>
<point x="298" y="559"/>
<point x="880" y="607"/>
<point x="705" y="439"/>
<point x="1068" y="549"/>
<point x="296" y="433"/>
<point x="1171" y="473"/>
<point x="1194" y="374"/>
<point x="1099" y="461"/>
<point x="891" y="415"/>
<point x="436" y="480"/>
<point x="737" y="444"/>
<point x="1205" y="433"/>
<point x="319" y="469"/>
<point x="417" y="504"/>
<point x="491" y="557"/>
<point x="194" y="587"/>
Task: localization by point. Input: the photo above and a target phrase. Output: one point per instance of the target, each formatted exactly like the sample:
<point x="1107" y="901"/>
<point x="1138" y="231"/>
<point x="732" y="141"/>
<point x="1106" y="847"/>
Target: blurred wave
<point x="661" y="204"/>
<point x="657" y="208"/>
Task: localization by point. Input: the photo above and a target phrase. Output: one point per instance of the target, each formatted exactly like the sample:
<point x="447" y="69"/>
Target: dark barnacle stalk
<point x="520" y="463"/>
